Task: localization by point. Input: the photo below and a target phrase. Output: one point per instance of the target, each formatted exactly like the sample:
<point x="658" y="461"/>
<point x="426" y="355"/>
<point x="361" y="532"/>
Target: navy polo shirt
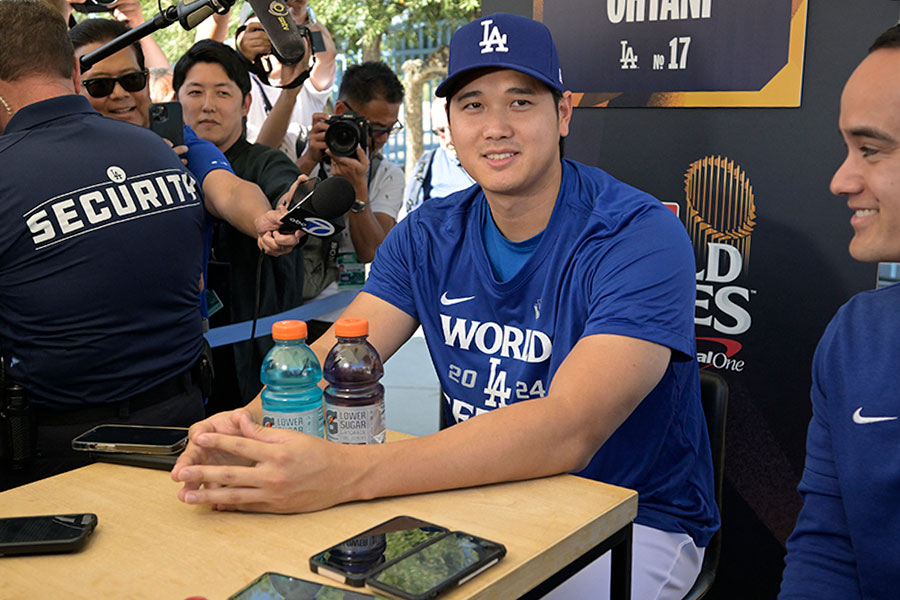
<point x="100" y="256"/>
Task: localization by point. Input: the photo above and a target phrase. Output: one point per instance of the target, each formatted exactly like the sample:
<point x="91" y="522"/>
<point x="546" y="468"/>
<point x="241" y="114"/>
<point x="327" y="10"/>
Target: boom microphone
<point x="193" y="12"/>
<point x="287" y="42"/>
<point x="316" y="211"/>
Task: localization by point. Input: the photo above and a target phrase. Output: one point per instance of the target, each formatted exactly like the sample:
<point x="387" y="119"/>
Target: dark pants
<point x="180" y="406"/>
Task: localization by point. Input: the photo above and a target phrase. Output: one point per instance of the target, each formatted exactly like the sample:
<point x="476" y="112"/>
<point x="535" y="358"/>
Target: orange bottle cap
<point x="289" y="330"/>
<point x="351" y="327"/>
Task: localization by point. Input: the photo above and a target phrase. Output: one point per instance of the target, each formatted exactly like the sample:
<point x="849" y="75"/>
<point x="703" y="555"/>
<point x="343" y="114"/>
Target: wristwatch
<point x="359" y="206"/>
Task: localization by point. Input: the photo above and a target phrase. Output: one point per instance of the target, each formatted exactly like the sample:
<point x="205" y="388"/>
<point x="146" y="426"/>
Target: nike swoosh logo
<point x="861" y="420"/>
<point x="451" y="301"/>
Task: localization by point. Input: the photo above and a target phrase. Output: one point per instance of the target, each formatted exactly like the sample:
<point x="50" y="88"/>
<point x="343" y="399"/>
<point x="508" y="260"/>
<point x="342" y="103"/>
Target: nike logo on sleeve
<point x="861" y="420"/>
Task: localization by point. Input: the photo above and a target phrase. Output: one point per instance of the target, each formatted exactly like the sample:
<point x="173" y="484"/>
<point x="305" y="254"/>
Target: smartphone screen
<point x="132" y="438"/>
<point x="354" y="559"/>
<point x="45" y="534"/>
<point x="274" y="586"/>
<point x="450" y="560"/>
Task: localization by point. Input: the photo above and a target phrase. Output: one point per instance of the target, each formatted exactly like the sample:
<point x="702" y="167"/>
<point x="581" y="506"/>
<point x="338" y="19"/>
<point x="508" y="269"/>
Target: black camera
<point x="345" y="132"/>
<point x="95" y="6"/>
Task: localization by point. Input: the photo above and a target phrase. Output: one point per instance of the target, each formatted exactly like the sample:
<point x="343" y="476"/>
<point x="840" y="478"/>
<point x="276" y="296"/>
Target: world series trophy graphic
<point x="720" y="206"/>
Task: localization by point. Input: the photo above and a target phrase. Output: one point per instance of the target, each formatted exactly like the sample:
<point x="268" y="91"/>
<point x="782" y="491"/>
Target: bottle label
<point x="355" y="424"/>
<point x="307" y="421"/>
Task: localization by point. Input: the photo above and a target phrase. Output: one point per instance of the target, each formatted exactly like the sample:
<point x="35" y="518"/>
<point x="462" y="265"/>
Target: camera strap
<point x="298" y="81"/>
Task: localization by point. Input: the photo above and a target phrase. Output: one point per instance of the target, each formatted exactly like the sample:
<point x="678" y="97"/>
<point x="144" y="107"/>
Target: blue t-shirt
<point x="612" y="260"/>
<point x="100" y="255"/>
<point x="506" y="257"/>
<point x="845" y="543"/>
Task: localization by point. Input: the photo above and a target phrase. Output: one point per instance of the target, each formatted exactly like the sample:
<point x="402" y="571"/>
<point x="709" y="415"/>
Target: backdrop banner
<point x="680" y="53"/>
<point x="751" y="186"/>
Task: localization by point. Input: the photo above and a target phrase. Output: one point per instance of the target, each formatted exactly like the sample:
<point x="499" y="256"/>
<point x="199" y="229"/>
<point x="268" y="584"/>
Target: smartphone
<point x="142" y="439"/>
<point x="275" y="586"/>
<point x="444" y="562"/>
<point x="354" y="559"/>
<point x="166" y="120"/>
<point x="163" y="462"/>
<point x="45" y="534"/>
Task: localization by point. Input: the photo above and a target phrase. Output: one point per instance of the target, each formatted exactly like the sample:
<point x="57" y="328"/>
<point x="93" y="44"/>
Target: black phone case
<point x="167" y="121"/>
<point x="32" y="540"/>
<point x="359" y="579"/>
<point x="498" y="551"/>
<point x="163" y="462"/>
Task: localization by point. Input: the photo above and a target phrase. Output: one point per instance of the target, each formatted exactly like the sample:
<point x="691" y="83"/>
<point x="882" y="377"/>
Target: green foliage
<point x="173" y="40"/>
<point x="354" y="24"/>
<point x="358" y="24"/>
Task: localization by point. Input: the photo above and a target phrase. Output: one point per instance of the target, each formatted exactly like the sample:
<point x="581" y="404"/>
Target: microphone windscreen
<point x="332" y="198"/>
<point x="281" y="29"/>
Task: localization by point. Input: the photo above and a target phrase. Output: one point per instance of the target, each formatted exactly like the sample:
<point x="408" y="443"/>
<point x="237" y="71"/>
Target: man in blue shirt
<point x="845" y="543"/>
<point x="557" y="304"/>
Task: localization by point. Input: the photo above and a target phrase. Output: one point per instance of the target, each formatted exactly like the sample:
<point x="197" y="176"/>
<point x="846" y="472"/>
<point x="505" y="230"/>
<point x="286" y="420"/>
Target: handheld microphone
<point x="319" y="205"/>
<point x="287" y="42"/>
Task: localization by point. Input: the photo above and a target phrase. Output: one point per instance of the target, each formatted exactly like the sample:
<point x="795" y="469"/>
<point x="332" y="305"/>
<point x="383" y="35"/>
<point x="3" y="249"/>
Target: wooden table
<point x="149" y="545"/>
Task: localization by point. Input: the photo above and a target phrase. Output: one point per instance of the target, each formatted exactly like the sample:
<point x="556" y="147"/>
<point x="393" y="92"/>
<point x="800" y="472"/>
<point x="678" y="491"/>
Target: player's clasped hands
<point x="233" y="463"/>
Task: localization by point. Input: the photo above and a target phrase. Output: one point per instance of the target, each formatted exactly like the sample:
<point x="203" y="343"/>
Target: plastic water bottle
<point x="291" y="373"/>
<point x="354" y="402"/>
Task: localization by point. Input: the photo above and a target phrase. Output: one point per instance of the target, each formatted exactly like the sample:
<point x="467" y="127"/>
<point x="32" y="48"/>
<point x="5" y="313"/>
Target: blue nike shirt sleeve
<point x="203" y="156"/>
<point x="820" y="562"/>
<point x="389" y="276"/>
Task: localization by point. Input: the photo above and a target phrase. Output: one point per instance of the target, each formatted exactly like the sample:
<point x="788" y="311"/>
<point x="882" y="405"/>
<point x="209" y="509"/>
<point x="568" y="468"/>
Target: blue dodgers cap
<point x="503" y="41"/>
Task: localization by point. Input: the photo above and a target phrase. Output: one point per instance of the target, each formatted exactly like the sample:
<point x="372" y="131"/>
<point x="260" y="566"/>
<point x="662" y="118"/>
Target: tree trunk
<point x="371" y="49"/>
<point x="415" y="74"/>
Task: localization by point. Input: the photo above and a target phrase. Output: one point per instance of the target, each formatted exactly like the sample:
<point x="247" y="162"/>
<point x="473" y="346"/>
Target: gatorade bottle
<point x="291" y="373"/>
<point x="354" y="402"/>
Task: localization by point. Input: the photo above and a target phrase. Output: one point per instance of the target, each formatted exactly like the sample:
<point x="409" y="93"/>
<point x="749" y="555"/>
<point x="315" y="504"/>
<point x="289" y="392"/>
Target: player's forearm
<point x="521" y="441"/>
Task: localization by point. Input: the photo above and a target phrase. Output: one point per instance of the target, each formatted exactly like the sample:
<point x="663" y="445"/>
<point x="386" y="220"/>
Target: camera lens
<point x="342" y="139"/>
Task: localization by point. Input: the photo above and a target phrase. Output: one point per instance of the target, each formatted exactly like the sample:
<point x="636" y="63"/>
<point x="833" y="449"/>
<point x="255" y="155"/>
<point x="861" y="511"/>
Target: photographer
<point x="369" y="102"/>
<point x="279" y="117"/>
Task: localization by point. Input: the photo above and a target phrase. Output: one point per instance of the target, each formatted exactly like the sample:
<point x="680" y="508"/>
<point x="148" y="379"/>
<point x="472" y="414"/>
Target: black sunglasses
<point x="101" y="87"/>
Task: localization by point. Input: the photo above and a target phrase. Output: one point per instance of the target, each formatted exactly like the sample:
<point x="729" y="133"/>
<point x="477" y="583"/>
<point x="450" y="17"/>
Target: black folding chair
<point x="714" y="395"/>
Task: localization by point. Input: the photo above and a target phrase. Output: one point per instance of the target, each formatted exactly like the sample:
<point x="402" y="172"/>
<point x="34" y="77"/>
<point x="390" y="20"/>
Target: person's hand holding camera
<point x="315" y="144"/>
<point x="254" y="41"/>
<point x="355" y="169"/>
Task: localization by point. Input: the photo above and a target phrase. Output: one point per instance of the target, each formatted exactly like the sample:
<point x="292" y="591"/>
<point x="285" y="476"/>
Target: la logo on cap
<point x="492" y="41"/>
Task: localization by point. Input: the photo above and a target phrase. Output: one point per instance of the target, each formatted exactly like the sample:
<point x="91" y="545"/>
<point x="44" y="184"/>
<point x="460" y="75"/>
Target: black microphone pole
<point x="189" y="14"/>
